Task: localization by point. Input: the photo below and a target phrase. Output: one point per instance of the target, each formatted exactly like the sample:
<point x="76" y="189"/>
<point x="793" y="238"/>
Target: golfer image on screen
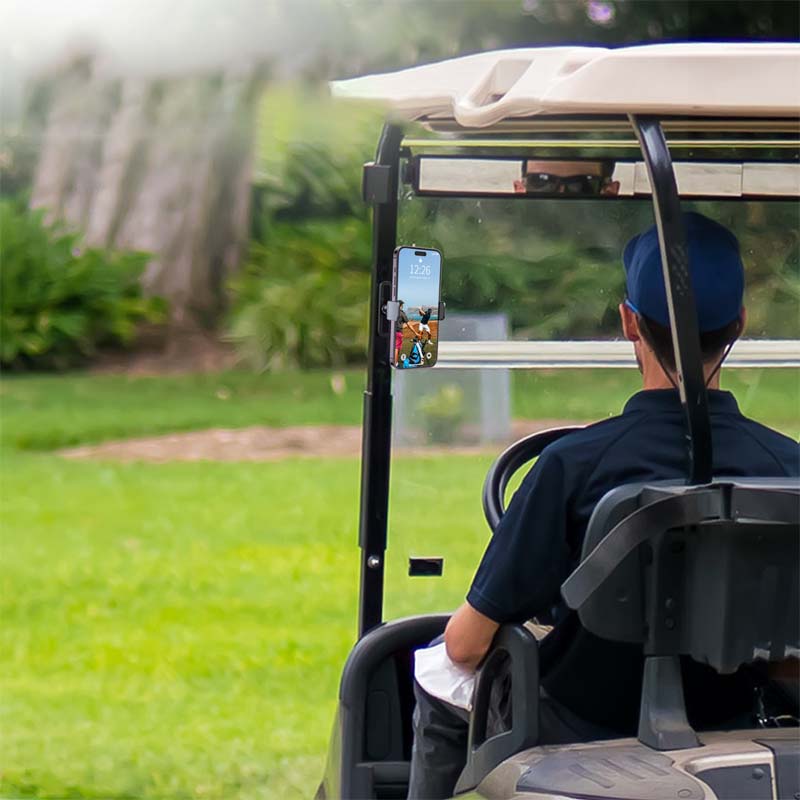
<point x="424" y="319"/>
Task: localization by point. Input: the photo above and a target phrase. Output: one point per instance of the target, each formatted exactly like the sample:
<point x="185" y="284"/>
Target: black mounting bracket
<point x="376" y="183"/>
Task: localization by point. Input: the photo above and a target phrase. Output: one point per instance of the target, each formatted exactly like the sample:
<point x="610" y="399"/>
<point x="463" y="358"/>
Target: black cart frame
<point x="381" y="179"/>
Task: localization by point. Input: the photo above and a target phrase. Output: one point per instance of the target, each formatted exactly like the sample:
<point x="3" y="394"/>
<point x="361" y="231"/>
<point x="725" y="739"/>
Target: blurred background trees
<point x="202" y="135"/>
<point x="60" y="301"/>
<point x="159" y="165"/>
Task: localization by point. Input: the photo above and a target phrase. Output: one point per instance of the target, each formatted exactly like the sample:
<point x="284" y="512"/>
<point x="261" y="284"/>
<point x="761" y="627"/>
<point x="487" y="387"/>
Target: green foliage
<point x="59" y="302"/>
<point x="770" y="244"/>
<point x="442" y="413"/>
<point x="318" y="182"/>
<point x="536" y="293"/>
<point x="314" y="182"/>
<point x="306" y="169"/>
<point x="301" y="299"/>
<point x="17" y="163"/>
<point x="555" y="269"/>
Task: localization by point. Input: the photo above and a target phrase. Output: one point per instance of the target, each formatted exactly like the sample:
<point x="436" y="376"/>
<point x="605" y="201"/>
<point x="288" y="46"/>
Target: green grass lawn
<point x="174" y="630"/>
<point x="46" y="412"/>
<point x="177" y="630"/>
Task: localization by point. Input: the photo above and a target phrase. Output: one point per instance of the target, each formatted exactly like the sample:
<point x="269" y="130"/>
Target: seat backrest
<point x="708" y="571"/>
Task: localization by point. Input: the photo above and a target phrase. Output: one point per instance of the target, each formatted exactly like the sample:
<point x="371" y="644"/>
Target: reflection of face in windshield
<point x="578" y="178"/>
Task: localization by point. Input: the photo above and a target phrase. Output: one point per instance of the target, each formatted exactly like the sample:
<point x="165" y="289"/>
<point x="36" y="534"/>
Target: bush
<point x="443" y="413"/>
<point x="302" y="299"/>
<point x="59" y="302"/>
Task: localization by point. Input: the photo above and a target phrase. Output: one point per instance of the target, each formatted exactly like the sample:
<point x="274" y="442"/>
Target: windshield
<point x="543" y="271"/>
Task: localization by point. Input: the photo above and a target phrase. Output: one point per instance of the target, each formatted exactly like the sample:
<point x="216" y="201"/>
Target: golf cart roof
<point x="752" y="80"/>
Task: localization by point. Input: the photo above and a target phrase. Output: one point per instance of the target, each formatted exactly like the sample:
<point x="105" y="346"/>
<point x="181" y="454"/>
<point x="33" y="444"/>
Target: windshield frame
<point x="381" y="185"/>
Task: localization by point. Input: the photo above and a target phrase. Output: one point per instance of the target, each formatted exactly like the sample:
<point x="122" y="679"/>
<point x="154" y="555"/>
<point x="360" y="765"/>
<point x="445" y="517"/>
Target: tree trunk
<point x="162" y="166"/>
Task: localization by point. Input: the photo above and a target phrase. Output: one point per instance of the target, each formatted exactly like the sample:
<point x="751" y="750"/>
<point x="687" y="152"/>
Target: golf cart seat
<point x="709" y="572"/>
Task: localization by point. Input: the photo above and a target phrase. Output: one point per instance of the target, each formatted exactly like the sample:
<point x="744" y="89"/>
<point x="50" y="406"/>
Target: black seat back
<point x="706" y="571"/>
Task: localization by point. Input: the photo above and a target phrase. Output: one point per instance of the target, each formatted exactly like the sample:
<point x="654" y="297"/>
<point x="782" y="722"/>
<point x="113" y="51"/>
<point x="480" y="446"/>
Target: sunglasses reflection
<point x="574" y="178"/>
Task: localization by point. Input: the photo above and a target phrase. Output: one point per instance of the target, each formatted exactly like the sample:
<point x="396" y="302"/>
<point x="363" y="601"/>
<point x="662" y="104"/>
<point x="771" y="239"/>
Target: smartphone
<point x="416" y="286"/>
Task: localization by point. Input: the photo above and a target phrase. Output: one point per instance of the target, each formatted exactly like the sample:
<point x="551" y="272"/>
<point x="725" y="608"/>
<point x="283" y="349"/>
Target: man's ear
<point x="630" y="325"/>
<point x="742" y="320"/>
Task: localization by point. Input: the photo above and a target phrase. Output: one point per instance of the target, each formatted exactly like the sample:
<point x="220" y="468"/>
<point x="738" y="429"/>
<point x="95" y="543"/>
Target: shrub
<point x="443" y="413"/>
<point x="59" y="302"/>
<point x="302" y="299"/>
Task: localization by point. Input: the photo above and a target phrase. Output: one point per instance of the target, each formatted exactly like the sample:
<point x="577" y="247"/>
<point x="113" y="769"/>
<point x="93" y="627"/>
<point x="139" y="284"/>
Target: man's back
<point x="645" y="443"/>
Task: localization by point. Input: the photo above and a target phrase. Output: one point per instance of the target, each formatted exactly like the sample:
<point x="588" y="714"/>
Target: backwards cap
<point x="715" y="266"/>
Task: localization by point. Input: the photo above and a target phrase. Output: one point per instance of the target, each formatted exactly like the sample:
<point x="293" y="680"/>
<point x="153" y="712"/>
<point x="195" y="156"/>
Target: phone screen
<point x="417" y="276"/>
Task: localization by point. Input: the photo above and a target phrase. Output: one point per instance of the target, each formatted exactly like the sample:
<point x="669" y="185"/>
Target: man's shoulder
<point x="577" y="454"/>
<point x="588" y="443"/>
<point x="782" y="447"/>
<point x="768" y="434"/>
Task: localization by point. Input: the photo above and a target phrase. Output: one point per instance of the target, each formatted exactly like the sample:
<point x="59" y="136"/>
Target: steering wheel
<point x="508" y="462"/>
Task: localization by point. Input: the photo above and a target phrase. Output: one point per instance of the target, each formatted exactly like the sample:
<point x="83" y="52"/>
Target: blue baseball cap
<point x="715" y="266"/>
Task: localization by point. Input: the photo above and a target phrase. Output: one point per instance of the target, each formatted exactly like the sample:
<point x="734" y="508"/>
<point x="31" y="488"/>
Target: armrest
<point x="515" y="655"/>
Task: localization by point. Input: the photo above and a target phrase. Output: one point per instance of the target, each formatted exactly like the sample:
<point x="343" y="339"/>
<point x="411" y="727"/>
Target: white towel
<point x="443" y="678"/>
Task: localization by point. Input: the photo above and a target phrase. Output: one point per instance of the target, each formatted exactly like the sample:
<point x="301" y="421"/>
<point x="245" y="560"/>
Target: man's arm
<point x="523" y="567"/>
<point x="468" y="636"/>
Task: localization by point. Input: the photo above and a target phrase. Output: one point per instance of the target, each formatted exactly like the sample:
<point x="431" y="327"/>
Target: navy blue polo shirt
<point x="538" y="542"/>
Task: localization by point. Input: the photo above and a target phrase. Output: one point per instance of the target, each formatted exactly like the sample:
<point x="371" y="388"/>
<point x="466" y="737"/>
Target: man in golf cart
<point x="538" y="542"/>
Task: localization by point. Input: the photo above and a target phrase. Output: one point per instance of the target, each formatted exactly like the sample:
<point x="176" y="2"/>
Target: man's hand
<point x="468" y="636"/>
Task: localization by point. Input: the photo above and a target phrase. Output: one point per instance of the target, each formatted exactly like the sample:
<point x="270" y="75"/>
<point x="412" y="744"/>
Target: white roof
<point x="697" y="79"/>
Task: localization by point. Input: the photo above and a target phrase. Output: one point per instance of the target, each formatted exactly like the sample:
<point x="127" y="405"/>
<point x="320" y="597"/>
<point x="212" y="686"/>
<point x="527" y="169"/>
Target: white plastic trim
<point x="593" y="354"/>
<point x="696" y="79"/>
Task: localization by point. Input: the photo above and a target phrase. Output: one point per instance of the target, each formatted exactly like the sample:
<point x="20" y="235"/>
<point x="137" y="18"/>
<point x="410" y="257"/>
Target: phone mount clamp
<point x="391" y="310"/>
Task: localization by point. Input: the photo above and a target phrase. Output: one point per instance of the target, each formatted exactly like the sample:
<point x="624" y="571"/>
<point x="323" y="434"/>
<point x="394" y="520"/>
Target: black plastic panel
<point x="430" y="567"/>
<point x="787" y="764"/>
<point x="616" y="772"/>
<point x="752" y="782"/>
<point x="367" y="757"/>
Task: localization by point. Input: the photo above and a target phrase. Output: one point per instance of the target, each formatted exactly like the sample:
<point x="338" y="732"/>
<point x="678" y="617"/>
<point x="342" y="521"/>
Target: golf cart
<point x="707" y="569"/>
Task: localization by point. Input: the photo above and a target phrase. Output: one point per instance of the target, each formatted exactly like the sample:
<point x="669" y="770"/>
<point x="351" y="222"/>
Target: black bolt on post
<point x="380" y="189"/>
<point x="680" y="296"/>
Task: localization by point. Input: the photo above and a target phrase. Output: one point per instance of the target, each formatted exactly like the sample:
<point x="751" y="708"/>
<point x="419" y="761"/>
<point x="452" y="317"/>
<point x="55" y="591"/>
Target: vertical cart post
<point x="380" y="189"/>
<point x="680" y="296"/>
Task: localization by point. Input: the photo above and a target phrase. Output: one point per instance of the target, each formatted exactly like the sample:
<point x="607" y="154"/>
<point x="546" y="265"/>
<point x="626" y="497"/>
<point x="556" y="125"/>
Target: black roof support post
<point x="380" y="189"/>
<point x="680" y="296"/>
